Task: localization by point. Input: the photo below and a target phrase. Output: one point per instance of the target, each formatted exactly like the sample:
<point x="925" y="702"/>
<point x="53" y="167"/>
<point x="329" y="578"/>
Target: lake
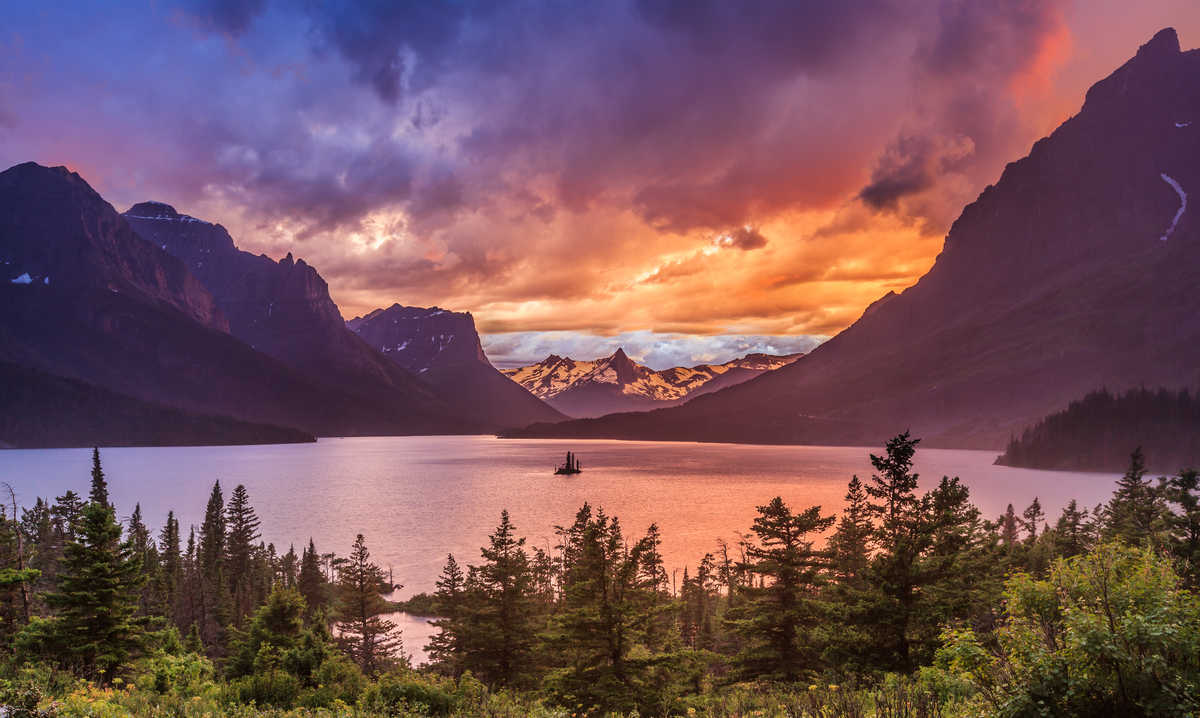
<point x="418" y="498"/>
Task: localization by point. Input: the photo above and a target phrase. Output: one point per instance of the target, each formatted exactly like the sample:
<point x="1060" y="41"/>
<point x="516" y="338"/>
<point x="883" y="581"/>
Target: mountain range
<point x="1076" y="270"/>
<point x="151" y="327"/>
<point x="616" y="383"/>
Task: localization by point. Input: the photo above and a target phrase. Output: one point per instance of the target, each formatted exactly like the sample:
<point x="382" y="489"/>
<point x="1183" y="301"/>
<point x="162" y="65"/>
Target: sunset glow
<point x="609" y="170"/>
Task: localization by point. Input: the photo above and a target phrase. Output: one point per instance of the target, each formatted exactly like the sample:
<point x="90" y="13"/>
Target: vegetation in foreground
<point x="905" y="604"/>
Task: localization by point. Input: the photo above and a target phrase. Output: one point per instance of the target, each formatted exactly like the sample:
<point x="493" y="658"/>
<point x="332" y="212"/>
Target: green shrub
<point x="1108" y="633"/>
<point x="273" y="688"/>
<point x="396" y="695"/>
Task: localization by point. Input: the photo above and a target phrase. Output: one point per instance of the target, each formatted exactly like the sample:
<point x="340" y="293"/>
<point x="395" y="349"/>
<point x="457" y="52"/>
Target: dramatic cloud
<point x="670" y="168"/>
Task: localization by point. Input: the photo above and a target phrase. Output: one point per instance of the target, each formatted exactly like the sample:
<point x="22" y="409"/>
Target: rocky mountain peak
<point x="152" y="209"/>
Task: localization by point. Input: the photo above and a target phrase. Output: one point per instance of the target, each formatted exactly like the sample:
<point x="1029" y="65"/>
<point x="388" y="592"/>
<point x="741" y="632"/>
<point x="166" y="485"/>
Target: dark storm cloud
<point x="743" y="238"/>
<point x="980" y="53"/>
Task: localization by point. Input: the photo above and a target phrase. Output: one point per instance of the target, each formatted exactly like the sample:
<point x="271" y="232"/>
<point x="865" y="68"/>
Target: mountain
<point x="443" y="349"/>
<point x="617" y="383"/>
<point x="282" y="309"/>
<point x="1075" y="270"/>
<point x="87" y="300"/>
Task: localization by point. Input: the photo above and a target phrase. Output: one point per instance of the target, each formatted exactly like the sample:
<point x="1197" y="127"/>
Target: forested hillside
<point x="1094" y="433"/>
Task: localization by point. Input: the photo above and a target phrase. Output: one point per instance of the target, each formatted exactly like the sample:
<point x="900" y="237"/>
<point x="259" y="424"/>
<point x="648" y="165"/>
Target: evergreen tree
<point x="170" y="562"/>
<point x="900" y="537"/>
<point x="93" y="631"/>
<point x="242" y="532"/>
<point x="214" y="611"/>
<point x="66" y="512"/>
<point x="1009" y="524"/>
<point x="499" y="613"/>
<point x="445" y="647"/>
<point x="1073" y="533"/>
<point x="311" y="581"/>
<point x="1031" y="519"/>
<point x="371" y="641"/>
<point x="1135" y="512"/>
<point x="849" y="546"/>
<point x="1183" y="492"/>
<point x="782" y="613"/>
<point x="99" y="492"/>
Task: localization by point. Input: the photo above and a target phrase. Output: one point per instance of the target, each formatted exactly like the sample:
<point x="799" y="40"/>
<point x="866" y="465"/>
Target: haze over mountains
<point x="617" y="383"/>
<point x="1076" y="270"/>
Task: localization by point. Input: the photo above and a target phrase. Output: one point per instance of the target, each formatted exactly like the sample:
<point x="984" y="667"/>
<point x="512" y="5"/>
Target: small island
<point x="572" y="466"/>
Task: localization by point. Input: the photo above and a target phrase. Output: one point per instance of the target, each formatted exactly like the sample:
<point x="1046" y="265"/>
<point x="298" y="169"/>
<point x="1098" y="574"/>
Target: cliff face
<point x="1074" y="271"/>
<point x="284" y="310"/>
<point x="444" y="350"/>
<point x="56" y="230"/>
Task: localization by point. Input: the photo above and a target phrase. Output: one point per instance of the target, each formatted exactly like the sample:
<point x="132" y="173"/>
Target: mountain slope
<point x="617" y="383"/>
<point x="443" y="349"/>
<point x="282" y="309"/>
<point x="39" y="411"/>
<point x="86" y="299"/>
<point x="1075" y="270"/>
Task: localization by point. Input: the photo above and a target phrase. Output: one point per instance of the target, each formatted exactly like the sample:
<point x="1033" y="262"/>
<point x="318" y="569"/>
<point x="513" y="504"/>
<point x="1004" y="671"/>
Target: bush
<point x="271" y="688"/>
<point x="395" y="695"/>
<point x="1108" y="633"/>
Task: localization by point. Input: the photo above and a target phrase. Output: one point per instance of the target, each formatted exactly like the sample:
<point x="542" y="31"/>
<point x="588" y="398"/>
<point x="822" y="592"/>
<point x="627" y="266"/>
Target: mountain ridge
<point x="616" y="383"/>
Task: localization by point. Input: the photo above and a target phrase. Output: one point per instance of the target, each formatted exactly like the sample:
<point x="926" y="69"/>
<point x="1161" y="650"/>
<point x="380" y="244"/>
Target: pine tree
<point x="371" y="641"/>
<point x="499" y="613"/>
<point x="99" y="492"/>
<point x="1031" y="518"/>
<point x="93" y="631"/>
<point x="781" y="614"/>
<point x="66" y="512"/>
<point x="152" y="599"/>
<point x="311" y="581"/>
<point x="242" y="532"/>
<point x="1183" y="491"/>
<point x="1073" y="533"/>
<point x="1009" y="524"/>
<point x="849" y="546"/>
<point x="1136" y="511"/>
<point x="171" y="563"/>
<point x="445" y="647"/>
<point x="900" y="537"/>
<point x="214" y="611"/>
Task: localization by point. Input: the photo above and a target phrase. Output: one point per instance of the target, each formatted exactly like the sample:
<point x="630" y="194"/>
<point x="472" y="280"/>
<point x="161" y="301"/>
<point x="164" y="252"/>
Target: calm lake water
<point x="418" y="498"/>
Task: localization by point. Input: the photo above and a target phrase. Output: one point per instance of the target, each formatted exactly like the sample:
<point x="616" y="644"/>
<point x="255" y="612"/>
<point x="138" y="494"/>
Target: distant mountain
<point x="443" y="349"/>
<point x="1076" y="270"/>
<point x="1101" y="430"/>
<point x="86" y="299"/>
<point x="617" y="383"/>
<point x="282" y="309"/>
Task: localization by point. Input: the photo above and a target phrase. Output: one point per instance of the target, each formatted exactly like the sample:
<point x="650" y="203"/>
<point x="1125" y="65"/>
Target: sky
<point x="689" y="179"/>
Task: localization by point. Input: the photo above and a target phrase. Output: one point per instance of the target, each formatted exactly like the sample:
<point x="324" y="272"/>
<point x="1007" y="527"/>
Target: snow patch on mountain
<point x="1182" y="204"/>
